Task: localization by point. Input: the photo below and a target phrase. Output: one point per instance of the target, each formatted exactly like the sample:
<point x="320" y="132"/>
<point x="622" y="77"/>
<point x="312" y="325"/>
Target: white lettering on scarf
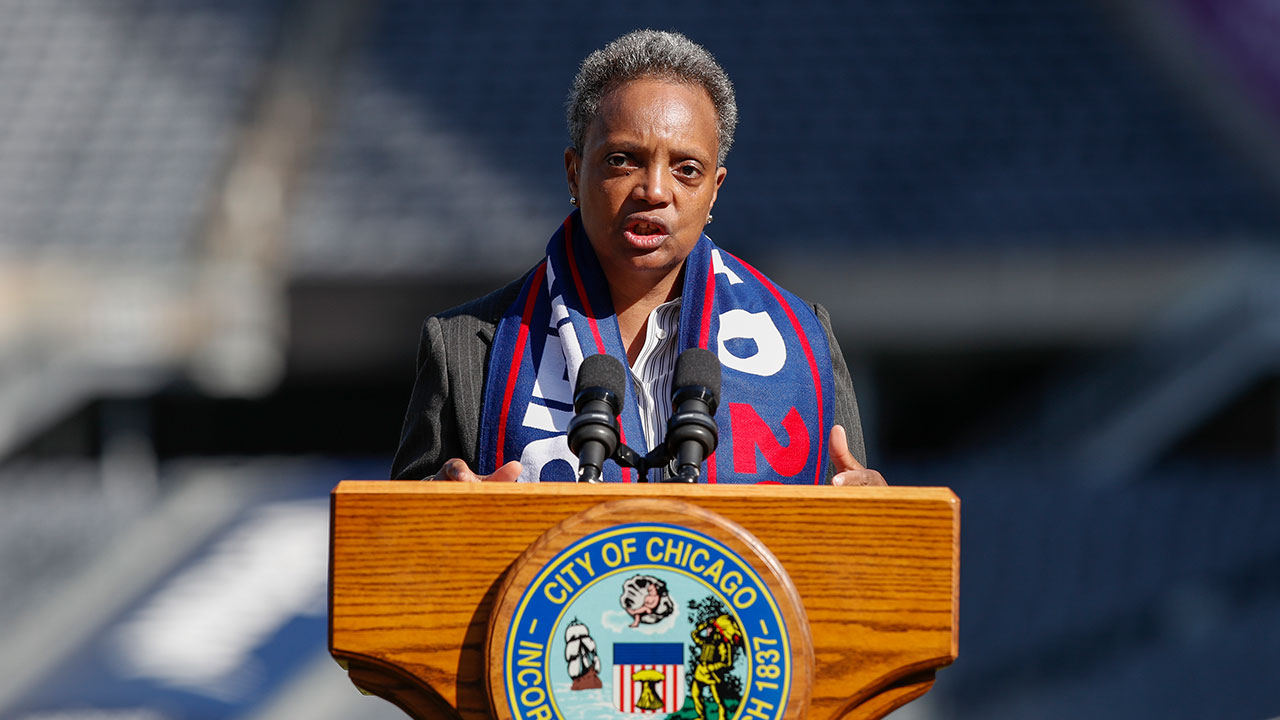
<point x="562" y="324"/>
<point x="718" y="267"/>
<point x="539" y="454"/>
<point x="771" y="350"/>
<point x="551" y="384"/>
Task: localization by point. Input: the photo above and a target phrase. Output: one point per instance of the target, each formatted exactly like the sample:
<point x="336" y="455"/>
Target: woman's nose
<point x="654" y="187"/>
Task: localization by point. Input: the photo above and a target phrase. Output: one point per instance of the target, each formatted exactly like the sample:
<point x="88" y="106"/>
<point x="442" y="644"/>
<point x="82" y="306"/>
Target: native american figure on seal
<point x="716" y="639"/>
<point x="646" y="600"/>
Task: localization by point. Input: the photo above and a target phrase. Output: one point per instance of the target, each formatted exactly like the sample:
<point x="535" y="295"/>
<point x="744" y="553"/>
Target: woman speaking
<point x="631" y="274"/>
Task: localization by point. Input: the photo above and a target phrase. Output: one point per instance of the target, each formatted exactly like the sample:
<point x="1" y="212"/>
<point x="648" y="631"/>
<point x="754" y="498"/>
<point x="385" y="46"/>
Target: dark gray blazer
<point x="443" y="419"/>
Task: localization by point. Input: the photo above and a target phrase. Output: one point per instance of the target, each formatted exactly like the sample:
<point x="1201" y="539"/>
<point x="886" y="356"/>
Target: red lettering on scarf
<point x="818" y="469"/>
<point x="750" y="432"/>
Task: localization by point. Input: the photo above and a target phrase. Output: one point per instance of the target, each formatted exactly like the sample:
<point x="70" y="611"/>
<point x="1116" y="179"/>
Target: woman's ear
<point x="715" y="191"/>
<point x="571" y="160"/>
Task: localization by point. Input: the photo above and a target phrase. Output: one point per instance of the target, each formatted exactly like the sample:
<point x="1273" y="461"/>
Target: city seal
<point x="647" y="618"/>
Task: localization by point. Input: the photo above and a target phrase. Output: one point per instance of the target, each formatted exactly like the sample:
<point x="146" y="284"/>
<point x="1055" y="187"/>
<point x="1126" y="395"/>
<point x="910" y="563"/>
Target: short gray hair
<point x="650" y="54"/>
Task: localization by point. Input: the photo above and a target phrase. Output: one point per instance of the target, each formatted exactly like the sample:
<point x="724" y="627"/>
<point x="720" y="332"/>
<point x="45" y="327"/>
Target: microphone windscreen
<point x="698" y="367"/>
<point x="602" y="371"/>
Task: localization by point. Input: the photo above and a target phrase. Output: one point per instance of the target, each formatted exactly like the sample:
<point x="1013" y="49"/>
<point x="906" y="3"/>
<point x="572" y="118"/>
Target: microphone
<point x="593" y="431"/>
<point x="692" y="434"/>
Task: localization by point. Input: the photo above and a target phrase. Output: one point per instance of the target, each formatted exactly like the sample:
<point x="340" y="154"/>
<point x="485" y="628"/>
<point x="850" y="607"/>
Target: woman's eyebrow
<point x="611" y="145"/>
<point x="679" y="153"/>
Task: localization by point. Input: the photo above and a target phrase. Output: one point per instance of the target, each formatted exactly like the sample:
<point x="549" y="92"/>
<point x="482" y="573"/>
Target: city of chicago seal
<point x="652" y="619"/>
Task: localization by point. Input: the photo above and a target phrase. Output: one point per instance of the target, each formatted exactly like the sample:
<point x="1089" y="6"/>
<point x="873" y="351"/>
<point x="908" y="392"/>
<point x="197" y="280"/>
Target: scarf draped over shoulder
<point x="775" y="411"/>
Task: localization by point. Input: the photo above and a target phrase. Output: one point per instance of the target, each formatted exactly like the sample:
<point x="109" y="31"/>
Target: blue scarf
<point x="775" y="411"/>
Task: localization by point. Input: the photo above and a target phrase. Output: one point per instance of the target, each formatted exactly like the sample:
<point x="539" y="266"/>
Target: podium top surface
<point x="672" y="490"/>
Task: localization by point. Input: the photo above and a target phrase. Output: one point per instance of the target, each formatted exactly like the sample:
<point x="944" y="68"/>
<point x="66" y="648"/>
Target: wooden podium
<point x="425" y="579"/>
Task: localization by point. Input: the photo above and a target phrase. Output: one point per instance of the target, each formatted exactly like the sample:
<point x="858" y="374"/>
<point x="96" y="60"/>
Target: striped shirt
<point x="653" y="372"/>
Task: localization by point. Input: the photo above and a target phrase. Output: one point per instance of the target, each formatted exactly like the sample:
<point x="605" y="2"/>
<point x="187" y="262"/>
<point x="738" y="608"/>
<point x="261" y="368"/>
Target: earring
<point x="710" y="217"/>
<point x="573" y="201"/>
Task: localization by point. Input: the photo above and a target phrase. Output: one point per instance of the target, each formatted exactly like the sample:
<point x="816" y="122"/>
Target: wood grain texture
<point x="415" y="569"/>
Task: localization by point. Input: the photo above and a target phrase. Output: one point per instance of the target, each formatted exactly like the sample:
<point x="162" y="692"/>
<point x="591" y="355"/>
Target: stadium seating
<point x="988" y="125"/>
<point x="115" y="119"/>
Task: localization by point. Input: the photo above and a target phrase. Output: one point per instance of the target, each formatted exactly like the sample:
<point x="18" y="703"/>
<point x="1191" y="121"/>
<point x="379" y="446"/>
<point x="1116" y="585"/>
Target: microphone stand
<point x="657" y="458"/>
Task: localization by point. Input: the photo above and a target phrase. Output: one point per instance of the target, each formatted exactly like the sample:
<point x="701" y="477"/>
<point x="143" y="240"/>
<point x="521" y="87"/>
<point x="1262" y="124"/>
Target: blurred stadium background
<point x="1047" y="232"/>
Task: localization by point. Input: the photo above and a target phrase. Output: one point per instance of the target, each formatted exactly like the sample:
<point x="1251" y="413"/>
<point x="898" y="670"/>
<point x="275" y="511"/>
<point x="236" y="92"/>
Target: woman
<point x="630" y="273"/>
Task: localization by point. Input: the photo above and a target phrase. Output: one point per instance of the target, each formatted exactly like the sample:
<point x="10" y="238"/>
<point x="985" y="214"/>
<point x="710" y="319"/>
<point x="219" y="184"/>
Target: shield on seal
<point x="648" y="677"/>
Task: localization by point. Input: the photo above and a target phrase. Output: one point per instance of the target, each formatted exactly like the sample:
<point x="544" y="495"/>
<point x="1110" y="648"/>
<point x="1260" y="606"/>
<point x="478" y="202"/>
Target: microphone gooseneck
<point x="593" y="431"/>
<point x="692" y="434"/>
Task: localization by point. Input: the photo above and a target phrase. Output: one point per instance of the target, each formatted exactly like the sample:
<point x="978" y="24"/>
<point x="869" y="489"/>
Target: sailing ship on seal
<point x="580" y="653"/>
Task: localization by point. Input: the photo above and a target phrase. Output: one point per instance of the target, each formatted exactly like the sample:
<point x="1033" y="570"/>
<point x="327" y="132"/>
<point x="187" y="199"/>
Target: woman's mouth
<point x="645" y="234"/>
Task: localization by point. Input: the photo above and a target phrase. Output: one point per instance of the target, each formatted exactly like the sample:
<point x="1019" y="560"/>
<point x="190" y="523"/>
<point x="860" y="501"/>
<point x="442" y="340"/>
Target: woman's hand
<point x="848" y="470"/>
<point x="455" y="470"/>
